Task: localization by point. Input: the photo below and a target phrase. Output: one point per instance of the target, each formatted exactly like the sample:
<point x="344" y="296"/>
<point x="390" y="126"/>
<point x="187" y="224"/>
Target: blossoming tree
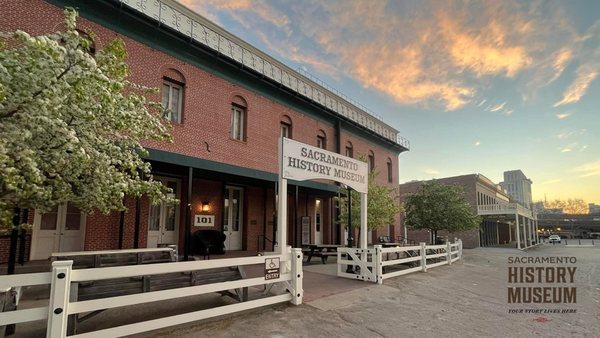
<point x="71" y="124"/>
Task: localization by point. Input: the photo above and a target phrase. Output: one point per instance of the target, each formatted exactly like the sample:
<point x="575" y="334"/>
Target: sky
<point x="476" y="87"/>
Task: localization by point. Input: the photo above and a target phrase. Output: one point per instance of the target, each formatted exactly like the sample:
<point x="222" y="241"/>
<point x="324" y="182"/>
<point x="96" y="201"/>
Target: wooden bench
<point x="134" y="285"/>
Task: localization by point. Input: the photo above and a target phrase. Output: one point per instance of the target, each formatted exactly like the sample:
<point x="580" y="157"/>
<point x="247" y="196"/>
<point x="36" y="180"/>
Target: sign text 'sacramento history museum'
<point x="230" y="105"/>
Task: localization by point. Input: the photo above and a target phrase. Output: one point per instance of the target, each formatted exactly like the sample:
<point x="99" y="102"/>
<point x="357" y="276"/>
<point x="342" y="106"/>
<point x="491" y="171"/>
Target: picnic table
<point x="320" y="250"/>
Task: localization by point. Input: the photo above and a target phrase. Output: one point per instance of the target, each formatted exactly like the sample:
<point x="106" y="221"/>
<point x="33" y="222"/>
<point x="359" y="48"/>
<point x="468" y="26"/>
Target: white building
<point x="518" y="187"/>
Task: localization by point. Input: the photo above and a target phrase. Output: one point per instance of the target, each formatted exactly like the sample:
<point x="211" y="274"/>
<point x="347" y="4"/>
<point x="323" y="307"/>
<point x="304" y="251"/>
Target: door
<point x="163" y="219"/>
<point x="61" y="229"/>
<point x="233" y="217"/>
<point x="318" y="221"/>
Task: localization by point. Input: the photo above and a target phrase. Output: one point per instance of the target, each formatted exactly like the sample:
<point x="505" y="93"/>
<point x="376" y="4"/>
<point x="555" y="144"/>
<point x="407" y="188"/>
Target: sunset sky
<point x="477" y="87"/>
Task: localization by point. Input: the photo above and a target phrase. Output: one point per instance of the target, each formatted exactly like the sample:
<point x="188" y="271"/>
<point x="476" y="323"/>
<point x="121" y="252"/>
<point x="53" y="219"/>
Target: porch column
<point x="281" y="205"/>
<point x="363" y="220"/>
<point x="537" y="234"/>
<point x="525" y="231"/>
<point x="517" y="231"/>
<point x="188" y="216"/>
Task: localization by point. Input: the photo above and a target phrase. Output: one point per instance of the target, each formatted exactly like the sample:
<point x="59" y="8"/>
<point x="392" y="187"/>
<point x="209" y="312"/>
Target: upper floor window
<point x="286" y="127"/>
<point x="390" y="168"/>
<point x="371" y="160"/>
<point x="349" y="149"/>
<point x="172" y="97"/>
<point x="322" y="140"/>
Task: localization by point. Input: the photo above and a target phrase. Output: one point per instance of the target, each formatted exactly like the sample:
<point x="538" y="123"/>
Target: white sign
<point x="304" y="162"/>
<point x="204" y="221"/>
<point x="272" y="268"/>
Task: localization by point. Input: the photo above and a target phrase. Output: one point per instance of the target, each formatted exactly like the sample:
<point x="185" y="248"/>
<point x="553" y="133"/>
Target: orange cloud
<point x="486" y="53"/>
<point x="579" y="86"/>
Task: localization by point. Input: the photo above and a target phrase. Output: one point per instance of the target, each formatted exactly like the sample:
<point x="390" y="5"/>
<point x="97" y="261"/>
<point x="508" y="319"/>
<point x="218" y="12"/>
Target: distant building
<point x="540" y="208"/>
<point x="501" y="215"/>
<point x="570" y="225"/>
<point x="518" y="187"/>
<point x="594" y="208"/>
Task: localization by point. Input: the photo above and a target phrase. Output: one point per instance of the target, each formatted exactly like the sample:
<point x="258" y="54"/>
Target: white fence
<point x="62" y="275"/>
<point x="374" y="264"/>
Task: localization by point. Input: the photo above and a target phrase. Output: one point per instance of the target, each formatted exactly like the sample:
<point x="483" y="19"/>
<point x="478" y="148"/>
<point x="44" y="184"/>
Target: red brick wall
<point x="470" y="238"/>
<point x="206" y="121"/>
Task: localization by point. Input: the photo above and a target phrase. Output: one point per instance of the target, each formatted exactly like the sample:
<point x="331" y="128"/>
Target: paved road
<point x="466" y="299"/>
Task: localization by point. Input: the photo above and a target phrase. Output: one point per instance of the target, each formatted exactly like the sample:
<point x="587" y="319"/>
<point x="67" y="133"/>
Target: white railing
<point x="63" y="275"/>
<point x="371" y="264"/>
<point x="508" y="208"/>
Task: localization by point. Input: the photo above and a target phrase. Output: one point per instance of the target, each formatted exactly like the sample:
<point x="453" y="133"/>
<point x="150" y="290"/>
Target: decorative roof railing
<point x="180" y="18"/>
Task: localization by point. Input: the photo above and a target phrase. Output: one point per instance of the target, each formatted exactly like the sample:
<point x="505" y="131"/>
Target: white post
<point x="59" y="299"/>
<point x="296" y="260"/>
<point x="378" y="264"/>
<point x="448" y="253"/>
<point x="537" y="234"/>
<point x="460" y="252"/>
<point x="518" y="232"/>
<point x="281" y="205"/>
<point x="363" y="220"/>
<point x="423" y="257"/>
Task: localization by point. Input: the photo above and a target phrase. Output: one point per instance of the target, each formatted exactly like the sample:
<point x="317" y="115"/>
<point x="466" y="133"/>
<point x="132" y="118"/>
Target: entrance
<point x="163" y="220"/>
<point x="318" y="221"/>
<point x="59" y="230"/>
<point x="233" y="217"/>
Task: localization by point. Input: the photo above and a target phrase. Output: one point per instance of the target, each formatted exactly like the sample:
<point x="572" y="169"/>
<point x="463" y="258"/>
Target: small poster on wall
<point x="305" y="222"/>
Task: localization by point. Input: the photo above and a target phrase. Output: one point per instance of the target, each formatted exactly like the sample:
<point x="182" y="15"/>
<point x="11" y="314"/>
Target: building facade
<point x="229" y="104"/>
<point x="504" y="222"/>
<point x="518" y="187"/>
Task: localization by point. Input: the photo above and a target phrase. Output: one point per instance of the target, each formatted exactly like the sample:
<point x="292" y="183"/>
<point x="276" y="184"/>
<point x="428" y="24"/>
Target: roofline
<point x="273" y="69"/>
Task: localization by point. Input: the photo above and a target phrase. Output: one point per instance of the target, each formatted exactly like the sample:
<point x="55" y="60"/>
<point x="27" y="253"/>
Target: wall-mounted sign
<point x="272" y="268"/>
<point x="304" y="162"/>
<point x="305" y="222"/>
<point x="204" y="220"/>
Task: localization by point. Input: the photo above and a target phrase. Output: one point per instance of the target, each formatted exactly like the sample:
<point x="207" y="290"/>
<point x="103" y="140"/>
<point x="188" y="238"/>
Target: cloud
<point x="551" y="181"/>
<point x="498" y="107"/>
<point x="508" y="112"/>
<point x="430" y="171"/>
<point x="566" y="150"/>
<point x="477" y="143"/>
<point x="588" y="169"/>
<point x="562" y="116"/>
<point x="430" y="54"/>
<point x="578" y="88"/>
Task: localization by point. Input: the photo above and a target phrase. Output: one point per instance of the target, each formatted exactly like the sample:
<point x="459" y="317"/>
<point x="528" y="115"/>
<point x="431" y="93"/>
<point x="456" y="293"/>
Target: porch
<point x="508" y="224"/>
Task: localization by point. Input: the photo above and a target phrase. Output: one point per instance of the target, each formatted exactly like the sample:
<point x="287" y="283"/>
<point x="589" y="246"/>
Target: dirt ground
<point x="465" y="299"/>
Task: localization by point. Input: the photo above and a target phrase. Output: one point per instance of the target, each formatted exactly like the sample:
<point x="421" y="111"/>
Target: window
<point x="349" y="149"/>
<point x="87" y="43"/>
<point x="239" y="110"/>
<point x="371" y="161"/>
<point x="390" y="169"/>
<point x="172" y="95"/>
<point x="238" y="122"/>
<point x="322" y="140"/>
<point x="286" y="127"/>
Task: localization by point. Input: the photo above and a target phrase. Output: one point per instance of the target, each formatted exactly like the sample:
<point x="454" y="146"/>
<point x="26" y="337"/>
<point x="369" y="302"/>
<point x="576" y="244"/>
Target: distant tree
<point x="569" y="206"/>
<point x="438" y="207"/>
<point x="71" y="124"/>
<point x="382" y="206"/>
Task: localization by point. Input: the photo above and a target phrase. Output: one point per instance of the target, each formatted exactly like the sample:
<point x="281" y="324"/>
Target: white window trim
<point x="168" y="110"/>
<point x="235" y="110"/>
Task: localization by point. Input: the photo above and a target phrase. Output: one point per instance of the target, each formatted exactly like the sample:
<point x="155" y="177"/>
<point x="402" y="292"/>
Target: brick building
<point x="501" y="215"/>
<point x="230" y="104"/>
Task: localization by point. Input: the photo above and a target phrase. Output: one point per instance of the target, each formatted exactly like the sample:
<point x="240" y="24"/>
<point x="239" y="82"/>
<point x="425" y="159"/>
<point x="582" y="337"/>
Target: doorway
<point x="163" y="218"/>
<point x="59" y="230"/>
<point x="318" y="221"/>
<point x="233" y="214"/>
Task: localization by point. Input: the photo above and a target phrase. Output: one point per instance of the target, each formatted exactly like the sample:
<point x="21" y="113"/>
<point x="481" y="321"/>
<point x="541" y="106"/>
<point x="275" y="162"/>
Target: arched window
<point x="390" y="172"/>
<point x="322" y="140"/>
<point x="349" y="149"/>
<point x="286" y="126"/>
<point x="371" y="160"/>
<point x="239" y="112"/>
<point x="173" y="87"/>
